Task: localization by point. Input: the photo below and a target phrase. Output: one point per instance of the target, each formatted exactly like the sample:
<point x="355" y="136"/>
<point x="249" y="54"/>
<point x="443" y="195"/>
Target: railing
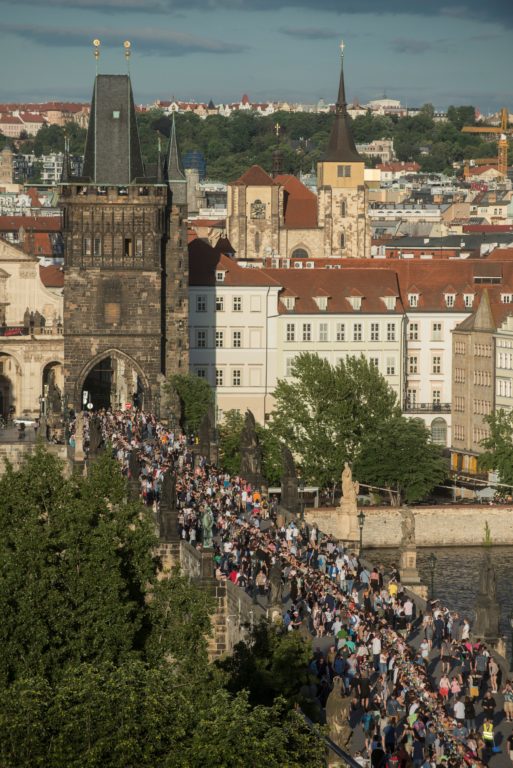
<point x="427" y="408"/>
<point x="11" y="331"/>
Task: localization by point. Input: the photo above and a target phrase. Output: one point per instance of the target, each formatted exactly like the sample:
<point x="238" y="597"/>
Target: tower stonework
<point x="118" y="284"/>
<point x="342" y="193"/>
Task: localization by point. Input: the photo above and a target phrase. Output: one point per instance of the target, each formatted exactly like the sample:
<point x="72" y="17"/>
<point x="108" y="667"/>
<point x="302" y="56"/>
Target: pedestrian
<point x="507" y="692"/>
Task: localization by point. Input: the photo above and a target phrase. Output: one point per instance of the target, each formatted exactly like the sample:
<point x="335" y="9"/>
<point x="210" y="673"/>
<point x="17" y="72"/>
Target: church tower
<point x="118" y="297"/>
<point x="342" y="193"/>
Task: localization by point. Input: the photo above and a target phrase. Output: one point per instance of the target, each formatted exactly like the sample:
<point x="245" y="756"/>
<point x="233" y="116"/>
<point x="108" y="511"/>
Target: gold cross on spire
<point x="342" y="46"/>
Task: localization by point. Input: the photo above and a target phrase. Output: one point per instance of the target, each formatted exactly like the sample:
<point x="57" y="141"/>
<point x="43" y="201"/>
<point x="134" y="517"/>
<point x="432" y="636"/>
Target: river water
<point x="456" y="576"/>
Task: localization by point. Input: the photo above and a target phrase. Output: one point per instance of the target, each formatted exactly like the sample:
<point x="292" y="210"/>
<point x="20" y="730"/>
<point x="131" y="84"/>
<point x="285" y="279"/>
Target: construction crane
<point x="504" y="131"/>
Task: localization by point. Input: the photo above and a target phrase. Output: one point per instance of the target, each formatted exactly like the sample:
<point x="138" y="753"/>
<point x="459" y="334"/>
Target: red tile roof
<point x="394" y="167"/>
<point x="204" y="261"/>
<point x="34" y="223"/>
<point x="255" y="177"/>
<point x="300" y="203"/>
<point x="52" y="276"/>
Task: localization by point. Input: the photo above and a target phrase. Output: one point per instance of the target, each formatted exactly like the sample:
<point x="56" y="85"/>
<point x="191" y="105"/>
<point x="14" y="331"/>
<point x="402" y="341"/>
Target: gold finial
<point x="96" y="44"/>
<point x="127" y="45"/>
<point x="342" y="46"/>
<point x="277" y="129"/>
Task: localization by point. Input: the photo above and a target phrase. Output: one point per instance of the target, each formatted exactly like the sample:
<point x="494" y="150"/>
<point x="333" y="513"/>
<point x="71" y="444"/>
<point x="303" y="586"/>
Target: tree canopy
<point x="102" y="663"/>
<point x="498" y="453"/>
<point x="196" y="398"/>
<point x="230" y="430"/>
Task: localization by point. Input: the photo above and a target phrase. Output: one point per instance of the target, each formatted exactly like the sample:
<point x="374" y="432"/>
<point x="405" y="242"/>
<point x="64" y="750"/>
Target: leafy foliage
<point x="324" y="413"/>
<point x="498" y="454"/>
<point x="196" y="398"/>
<point x="399" y="455"/>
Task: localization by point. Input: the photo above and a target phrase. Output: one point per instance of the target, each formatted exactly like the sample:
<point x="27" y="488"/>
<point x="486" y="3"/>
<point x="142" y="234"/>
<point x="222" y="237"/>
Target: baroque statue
<point x="350" y="490"/>
<point x="276" y="584"/>
<point x="338" y="709"/>
<point x="407" y="527"/>
<point x="207" y="523"/>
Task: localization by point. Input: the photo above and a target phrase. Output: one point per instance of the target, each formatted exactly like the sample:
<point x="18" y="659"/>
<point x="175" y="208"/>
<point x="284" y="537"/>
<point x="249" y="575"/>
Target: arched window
<point x="343" y="208"/>
<point x="439" y="431"/>
<point x="257" y="241"/>
<point x="258" y="210"/>
<point x="299" y="253"/>
<point x="342" y="240"/>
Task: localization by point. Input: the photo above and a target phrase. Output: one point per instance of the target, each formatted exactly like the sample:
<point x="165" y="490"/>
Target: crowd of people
<point x="421" y="688"/>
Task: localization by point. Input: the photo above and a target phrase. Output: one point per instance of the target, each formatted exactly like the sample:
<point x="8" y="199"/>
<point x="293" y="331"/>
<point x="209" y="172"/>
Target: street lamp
<point x="361" y="523"/>
<point x="302" y="498"/>
<point x="432" y="567"/>
<point x="511" y="649"/>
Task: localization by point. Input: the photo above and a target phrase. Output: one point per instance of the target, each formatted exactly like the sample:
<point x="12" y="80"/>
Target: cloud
<point x="411" y="46"/>
<point x="309" y="33"/>
<point x="146" y="40"/>
<point x="496" y="11"/>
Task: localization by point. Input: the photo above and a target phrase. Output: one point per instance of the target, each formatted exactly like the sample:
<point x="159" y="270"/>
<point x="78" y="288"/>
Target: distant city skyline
<point x="285" y="50"/>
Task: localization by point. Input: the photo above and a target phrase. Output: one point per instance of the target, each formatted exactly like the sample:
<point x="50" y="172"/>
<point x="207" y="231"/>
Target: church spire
<point x="341" y="146"/>
<point x="66" y="170"/>
<point x="174" y="172"/>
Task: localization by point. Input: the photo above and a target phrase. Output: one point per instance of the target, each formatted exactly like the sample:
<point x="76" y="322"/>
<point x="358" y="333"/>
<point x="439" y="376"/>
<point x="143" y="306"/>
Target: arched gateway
<point x="113" y="379"/>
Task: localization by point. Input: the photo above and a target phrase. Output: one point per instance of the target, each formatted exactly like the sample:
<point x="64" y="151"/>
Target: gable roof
<point x="299" y="203"/>
<point x="205" y="261"/>
<point x="254" y="177"/>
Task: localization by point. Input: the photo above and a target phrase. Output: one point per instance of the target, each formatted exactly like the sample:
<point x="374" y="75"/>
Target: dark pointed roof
<point x="341" y="146"/>
<point x="113" y="152"/>
<point x="174" y="171"/>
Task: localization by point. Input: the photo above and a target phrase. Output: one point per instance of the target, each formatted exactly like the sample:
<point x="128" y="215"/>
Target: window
<point x="323" y="332"/>
<point x="411" y="398"/>
<point x="219" y="377"/>
<point x="201" y="338"/>
<point x="341" y="332"/>
<point x="459" y="347"/>
<point x="390" y="331"/>
<point x="357" y="332"/>
<point x="237" y="303"/>
<point x="97" y="245"/>
<point x="449" y="299"/>
<point x="219" y="338"/>
<point x="237" y="339"/>
<point x="87" y="246"/>
<point x="289" y="362"/>
<point x="389" y="302"/>
<point x="258" y="210"/>
<point x="343" y="208"/>
<point x="322" y="302"/>
<point x="236" y="377"/>
<point x="390" y="366"/>
<point x="257" y="241"/>
<point x="307" y="332"/>
<point x="437" y="396"/>
<point x="468" y="300"/>
<point x="436" y="364"/>
<point x="289" y="301"/>
<point x="439" y="431"/>
<point x="459" y="376"/>
<point x="374" y="332"/>
<point x="436" y="331"/>
<point x="413" y="299"/>
<point x="220" y="273"/>
<point x="374" y="362"/>
<point x="507" y="298"/>
<point x="413" y="332"/>
<point x="138" y="247"/>
<point x="219" y="303"/>
<point x="201" y="373"/>
<point x="201" y="303"/>
<point x="342" y="240"/>
<point x="343" y="171"/>
<point x="413" y="364"/>
<point x="299" y="253"/>
<point x="115" y="114"/>
<point x="290" y="333"/>
<point x="128" y="248"/>
<point x="459" y="404"/>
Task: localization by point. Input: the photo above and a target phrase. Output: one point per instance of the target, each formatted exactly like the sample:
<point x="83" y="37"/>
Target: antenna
<point x="96" y="44"/>
<point x="127" y="46"/>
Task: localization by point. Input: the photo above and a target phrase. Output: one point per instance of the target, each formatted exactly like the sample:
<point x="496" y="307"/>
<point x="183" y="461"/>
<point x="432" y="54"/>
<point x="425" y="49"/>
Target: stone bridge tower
<point x="343" y="198"/>
<point x="121" y="274"/>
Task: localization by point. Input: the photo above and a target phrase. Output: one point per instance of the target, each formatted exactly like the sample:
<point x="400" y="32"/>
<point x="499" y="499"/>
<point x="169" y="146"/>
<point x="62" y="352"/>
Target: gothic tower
<point x="116" y="223"/>
<point x="342" y="193"/>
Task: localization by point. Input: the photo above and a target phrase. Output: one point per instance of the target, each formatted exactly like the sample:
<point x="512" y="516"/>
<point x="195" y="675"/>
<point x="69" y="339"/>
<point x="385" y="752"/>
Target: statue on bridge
<point x="207" y="524"/>
<point x="251" y="452"/>
<point x="338" y="709"/>
<point x="407" y="527"/>
<point x="289" y="481"/>
<point x="350" y="490"/>
<point x="486" y="626"/>
<point x="96" y="444"/>
<point x="168" y="528"/>
<point x="276" y="585"/>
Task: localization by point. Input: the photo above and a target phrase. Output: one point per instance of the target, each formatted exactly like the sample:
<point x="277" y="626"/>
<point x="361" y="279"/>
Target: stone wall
<point x="16" y="453"/>
<point x="444" y="526"/>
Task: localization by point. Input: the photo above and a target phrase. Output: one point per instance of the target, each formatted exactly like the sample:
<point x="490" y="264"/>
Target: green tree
<point x="323" y="413"/>
<point x="498" y="453"/>
<point x="460" y="116"/>
<point x="230" y="430"/>
<point x="400" y="457"/>
<point x="196" y="398"/>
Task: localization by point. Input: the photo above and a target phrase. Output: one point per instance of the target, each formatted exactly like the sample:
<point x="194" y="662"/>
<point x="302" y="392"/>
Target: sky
<point x="419" y="51"/>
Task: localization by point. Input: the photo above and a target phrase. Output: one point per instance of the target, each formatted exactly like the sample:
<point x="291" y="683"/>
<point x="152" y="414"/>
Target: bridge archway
<point x="112" y="379"/>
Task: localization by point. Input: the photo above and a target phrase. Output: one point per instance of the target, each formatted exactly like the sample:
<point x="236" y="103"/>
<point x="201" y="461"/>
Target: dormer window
<point x="450" y="299"/>
<point x="389" y="302"/>
<point x="220" y="273"/>
<point x="322" y="302"/>
<point x="468" y="300"/>
<point x="507" y="298"/>
<point x="413" y="299"/>
<point x="289" y="301"/>
<point x="355" y="301"/>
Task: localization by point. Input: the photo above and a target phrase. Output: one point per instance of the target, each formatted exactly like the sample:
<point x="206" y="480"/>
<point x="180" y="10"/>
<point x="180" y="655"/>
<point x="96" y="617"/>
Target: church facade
<point x="125" y="274"/>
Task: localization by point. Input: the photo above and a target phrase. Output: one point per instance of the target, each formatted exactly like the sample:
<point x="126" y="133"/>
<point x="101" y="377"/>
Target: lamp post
<point x="432" y="567"/>
<point x="511" y="639"/>
<point x="302" y="498"/>
<point x="361" y="523"/>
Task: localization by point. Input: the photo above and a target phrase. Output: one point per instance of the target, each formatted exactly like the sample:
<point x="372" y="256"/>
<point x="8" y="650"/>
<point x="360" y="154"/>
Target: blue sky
<point x="439" y="51"/>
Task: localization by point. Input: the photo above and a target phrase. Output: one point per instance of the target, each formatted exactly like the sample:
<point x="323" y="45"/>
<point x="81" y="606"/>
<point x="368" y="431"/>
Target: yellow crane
<point x="504" y="131"/>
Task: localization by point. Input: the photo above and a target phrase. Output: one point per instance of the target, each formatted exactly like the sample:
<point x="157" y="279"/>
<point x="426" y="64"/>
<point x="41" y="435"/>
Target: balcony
<point x="427" y="408"/>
